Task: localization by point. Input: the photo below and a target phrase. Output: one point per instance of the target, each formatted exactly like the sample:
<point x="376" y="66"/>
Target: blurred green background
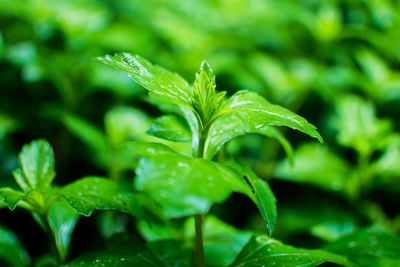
<point x="336" y="63"/>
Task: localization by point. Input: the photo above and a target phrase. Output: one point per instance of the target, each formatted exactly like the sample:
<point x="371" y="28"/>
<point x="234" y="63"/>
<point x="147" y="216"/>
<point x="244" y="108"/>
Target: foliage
<point x="140" y="164"/>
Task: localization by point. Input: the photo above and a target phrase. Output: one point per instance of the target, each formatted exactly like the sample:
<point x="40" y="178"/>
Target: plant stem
<point x="199" y="240"/>
<point x="198" y="218"/>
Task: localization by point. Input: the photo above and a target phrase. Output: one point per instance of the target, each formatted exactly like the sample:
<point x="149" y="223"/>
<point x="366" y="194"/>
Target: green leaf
<point x="161" y="83"/>
<point x="10" y="197"/>
<point x="89" y="134"/>
<point x="264" y="197"/>
<point x="256" y="110"/>
<point x="121" y="250"/>
<point x="315" y="164"/>
<point x="172" y="128"/>
<point x="222" y="242"/>
<point x="62" y="219"/>
<point x="37" y="166"/>
<point x="11" y="250"/>
<point x="357" y="125"/>
<point x="186" y="186"/>
<point x="230" y="126"/>
<point x="94" y="193"/>
<point x="173" y="252"/>
<point x="125" y="124"/>
<point x="265" y="251"/>
<point x="370" y="247"/>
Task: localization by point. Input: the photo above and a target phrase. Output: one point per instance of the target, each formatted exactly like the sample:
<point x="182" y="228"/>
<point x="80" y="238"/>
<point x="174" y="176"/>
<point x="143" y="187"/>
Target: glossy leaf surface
<point x="265" y="251"/>
<point x="36" y="161"/>
<point x="264" y="197"/>
<point x="186" y="186"/>
<point x="171" y="128"/>
<point x="370" y="247"/>
<point x="94" y="193"/>
<point x="230" y="126"/>
<point x="161" y="83"/>
<point x="62" y="219"/>
<point x="256" y="110"/>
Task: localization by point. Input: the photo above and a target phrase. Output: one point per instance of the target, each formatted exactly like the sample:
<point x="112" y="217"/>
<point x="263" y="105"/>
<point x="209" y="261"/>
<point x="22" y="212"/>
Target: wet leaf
<point x="265" y="251"/>
<point x="176" y="183"/>
<point x="36" y="161"/>
<point x="370" y="247"/>
<point x="171" y="128"/>
<point x="94" y="193"/>
<point x="10" y="197"/>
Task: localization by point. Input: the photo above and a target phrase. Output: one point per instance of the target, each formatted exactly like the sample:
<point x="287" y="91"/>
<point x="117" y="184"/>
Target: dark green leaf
<point x="93" y="193"/>
<point x="11" y="250"/>
<point x="265" y="251"/>
<point x="264" y="197"/>
<point x="62" y="219"/>
<point x="370" y="247"/>
<point x="259" y="112"/>
<point x="37" y="166"/>
<point x="171" y="128"/>
<point x="186" y="186"/>
<point x="161" y="83"/>
<point x="231" y="126"/>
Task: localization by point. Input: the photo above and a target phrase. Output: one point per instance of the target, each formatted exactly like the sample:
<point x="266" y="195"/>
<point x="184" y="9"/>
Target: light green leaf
<point x="36" y="160"/>
<point x="256" y="110"/>
<point x="94" y="193"/>
<point x="11" y="250"/>
<point x="315" y="164"/>
<point x="176" y="183"/>
<point x="10" y="197"/>
<point x="230" y="126"/>
<point x="89" y="134"/>
<point x="357" y="125"/>
<point x="264" y="197"/>
<point x="265" y="251"/>
<point x="62" y="219"/>
<point x="370" y="247"/>
<point x="125" y="124"/>
<point x="172" y="128"/>
<point x="161" y="83"/>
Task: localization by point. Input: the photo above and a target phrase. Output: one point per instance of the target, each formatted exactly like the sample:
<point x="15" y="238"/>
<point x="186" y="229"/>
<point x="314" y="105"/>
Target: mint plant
<point x="57" y="209"/>
<point x="214" y="119"/>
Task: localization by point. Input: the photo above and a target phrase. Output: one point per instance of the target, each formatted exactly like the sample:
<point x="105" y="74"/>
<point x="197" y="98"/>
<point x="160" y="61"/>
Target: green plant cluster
<point x="199" y="170"/>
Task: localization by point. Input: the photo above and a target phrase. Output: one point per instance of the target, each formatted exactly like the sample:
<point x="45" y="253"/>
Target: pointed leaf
<point x="259" y="112"/>
<point x="370" y="247"/>
<point x="172" y="128"/>
<point x="36" y="160"/>
<point x="11" y="250"/>
<point x="186" y="186"/>
<point x="10" y="197"/>
<point x="62" y="219"/>
<point x="264" y="197"/>
<point x="230" y="126"/>
<point x="94" y="193"/>
<point x="160" y="82"/>
<point x="265" y="251"/>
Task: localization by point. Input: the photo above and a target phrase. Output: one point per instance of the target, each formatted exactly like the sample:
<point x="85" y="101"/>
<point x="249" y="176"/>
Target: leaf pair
<point x="207" y="107"/>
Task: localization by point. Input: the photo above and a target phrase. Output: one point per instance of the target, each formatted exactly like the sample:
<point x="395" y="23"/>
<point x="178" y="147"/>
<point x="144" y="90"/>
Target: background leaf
<point x="11" y="250"/>
<point x="172" y="128"/>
